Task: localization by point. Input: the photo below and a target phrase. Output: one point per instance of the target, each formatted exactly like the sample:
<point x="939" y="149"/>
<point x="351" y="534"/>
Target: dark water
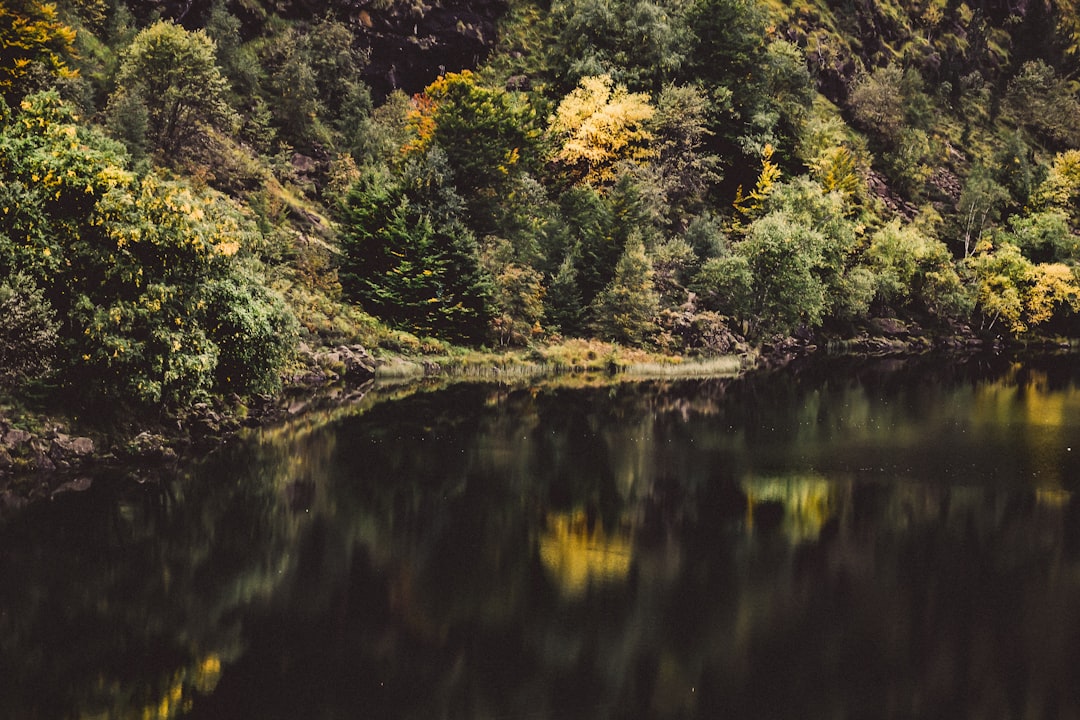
<point x="847" y="540"/>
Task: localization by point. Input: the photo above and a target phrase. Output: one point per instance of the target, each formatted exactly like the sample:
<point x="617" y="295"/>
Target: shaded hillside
<point x="409" y="44"/>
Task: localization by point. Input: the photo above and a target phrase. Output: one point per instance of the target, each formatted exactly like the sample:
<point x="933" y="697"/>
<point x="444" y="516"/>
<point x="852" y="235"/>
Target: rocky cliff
<point x="411" y="42"/>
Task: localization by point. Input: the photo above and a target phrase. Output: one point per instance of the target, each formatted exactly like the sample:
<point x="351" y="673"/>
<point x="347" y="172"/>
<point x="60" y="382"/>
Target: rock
<point x="353" y="362"/>
<point x="411" y="44"/>
<point x="359" y="365"/>
<point x="889" y="327"/>
<point x="518" y="83"/>
<point x="65" y="447"/>
<point x="14" y="438"/>
<point x="150" y="446"/>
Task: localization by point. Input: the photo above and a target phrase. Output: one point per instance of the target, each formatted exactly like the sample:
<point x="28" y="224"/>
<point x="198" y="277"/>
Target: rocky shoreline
<point x="41" y="464"/>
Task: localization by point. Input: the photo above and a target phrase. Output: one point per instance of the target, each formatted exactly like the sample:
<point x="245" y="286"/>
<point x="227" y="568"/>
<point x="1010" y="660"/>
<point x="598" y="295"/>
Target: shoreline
<point x="38" y="466"/>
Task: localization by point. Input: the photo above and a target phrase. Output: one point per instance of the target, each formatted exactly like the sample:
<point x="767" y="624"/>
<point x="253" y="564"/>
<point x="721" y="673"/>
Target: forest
<point x="196" y="195"/>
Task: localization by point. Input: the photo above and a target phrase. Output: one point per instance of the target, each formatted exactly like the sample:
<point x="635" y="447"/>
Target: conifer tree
<point x="625" y="311"/>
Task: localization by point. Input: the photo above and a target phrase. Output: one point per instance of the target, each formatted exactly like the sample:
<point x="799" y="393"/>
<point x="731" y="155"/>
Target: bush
<point x="255" y="334"/>
<point x="28" y="331"/>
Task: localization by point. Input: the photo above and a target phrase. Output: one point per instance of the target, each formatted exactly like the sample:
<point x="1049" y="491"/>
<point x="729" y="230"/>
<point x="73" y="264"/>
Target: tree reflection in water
<point x="838" y="540"/>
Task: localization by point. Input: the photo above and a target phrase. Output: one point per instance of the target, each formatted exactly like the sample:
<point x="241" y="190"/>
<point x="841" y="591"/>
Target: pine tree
<point x="625" y="311"/>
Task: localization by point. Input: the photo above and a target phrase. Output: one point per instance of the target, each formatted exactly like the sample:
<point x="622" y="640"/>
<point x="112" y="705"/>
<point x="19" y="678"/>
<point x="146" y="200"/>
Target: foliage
<point x="637" y="42"/>
<point x="914" y="270"/>
<point x="410" y="266"/>
<point x="625" y="311"/>
<point x="1040" y="101"/>
<point x="687" y="171"/>
<point x="979" y="205"/>
<point x="598" y="125"/>
<point x="128" y="263"/>
<point x="1044" y="236"/>
<point x="1015" y="294"/>
<point x="1061" y="188"/>
<point x="486" y="135"/>
<point x="33" y="40"/>
<point x="877" y="101"/>
<point x="751" y="204"/>
<point x="28" y="331"/>
<point x="254" y="331"/>
<point x="656" y="173"/>
<point x="518" y="295"/>
<point x="173" y="74"/>
<point x="309" y="81"/>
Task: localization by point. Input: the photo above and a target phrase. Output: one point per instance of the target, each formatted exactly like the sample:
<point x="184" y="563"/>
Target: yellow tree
<point x="32" y="38"/>
<point x="597" y="126"/>
<point x="752" y="204"/>
<point x="1054" y="287"/>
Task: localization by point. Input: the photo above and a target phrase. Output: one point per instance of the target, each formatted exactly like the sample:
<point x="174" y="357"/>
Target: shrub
<point x="28" y="331"/>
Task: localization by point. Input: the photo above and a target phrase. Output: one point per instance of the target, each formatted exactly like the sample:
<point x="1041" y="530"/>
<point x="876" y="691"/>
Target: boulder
<point x="66" y="452"/>
<point x="15" y="438"/>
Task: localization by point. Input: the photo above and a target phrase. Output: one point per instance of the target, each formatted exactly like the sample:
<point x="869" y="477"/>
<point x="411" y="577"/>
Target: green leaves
<point x="412" y="268"/>
<point x="28" y="331"/>
<point x="172" y="73"/>
<point x="625" y="311"/>
<point x="133" y="266"/>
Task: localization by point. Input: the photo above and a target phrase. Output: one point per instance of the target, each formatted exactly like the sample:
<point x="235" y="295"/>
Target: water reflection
<point x="845" y="540"/>
<point x="578" y="554"/>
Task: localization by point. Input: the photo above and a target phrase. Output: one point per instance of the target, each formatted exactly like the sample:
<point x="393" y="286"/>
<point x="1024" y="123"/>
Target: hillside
<point x="197" y="196"/>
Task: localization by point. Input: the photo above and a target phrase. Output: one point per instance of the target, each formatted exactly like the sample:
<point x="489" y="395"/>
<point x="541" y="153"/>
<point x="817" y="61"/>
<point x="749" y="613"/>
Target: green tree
<point x="487" y="135"/>
<point x="253" y="329"/>
<point x="1044" y="236"/>
<point x="637" y="42"/>
<point x="564" y="308"/>
<point x="877" y="101"/>
<point x="979" y="206"/>
<point x="1015" y="295"/>
<point x="128" y="263"/>
<point x="1001" y="277"/>
<point x="173" y="74"/>
<point x="688" y="172"/>
<point x="783" y="257"/>
<point x="1040" y="101"/>
<point x="312" y="85"/>
<point x="805" y="202"/>
<point x="1061" y="188"/>
<point x="913" y="270"/>
<point x="28" y="331"/>
<point x="518" y="294"/>
<point x="584" y="232"/>
<point x="625" y="311"/>
<point x="409" y="267"/>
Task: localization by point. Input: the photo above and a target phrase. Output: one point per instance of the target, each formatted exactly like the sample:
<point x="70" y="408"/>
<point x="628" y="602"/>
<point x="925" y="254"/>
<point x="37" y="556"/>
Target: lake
<point x="838" y="539"/>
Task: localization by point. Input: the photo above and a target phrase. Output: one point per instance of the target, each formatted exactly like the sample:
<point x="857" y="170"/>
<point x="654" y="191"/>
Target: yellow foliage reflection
<point x="808" y="502"/>
<point x="180" y="694"/>
<point x="577" y="556"/>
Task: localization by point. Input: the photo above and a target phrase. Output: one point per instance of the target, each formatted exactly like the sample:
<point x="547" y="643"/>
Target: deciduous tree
<point x="597" y="126"/>
<point x="172" y="73"/>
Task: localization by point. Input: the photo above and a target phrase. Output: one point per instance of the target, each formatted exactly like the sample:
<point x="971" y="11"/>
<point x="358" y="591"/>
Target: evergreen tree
<point x="415" y="272"/>
<point x="625" y="311"/>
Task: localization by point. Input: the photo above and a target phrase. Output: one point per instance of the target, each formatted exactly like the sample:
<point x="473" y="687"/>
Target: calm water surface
<point x="843" y="540"/>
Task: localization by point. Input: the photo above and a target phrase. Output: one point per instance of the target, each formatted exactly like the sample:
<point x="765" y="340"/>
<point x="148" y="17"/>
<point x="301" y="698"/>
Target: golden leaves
<point x="599" y="124"/>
